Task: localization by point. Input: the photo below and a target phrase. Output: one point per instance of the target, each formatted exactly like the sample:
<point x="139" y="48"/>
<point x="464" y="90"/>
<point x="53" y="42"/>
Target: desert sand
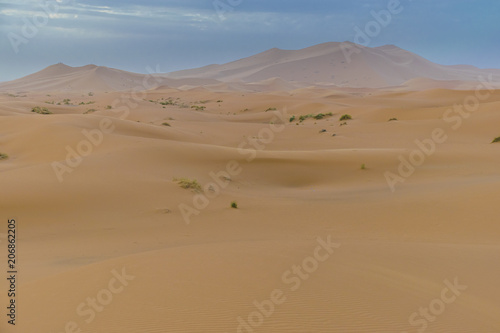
<point x="114" y="227"/>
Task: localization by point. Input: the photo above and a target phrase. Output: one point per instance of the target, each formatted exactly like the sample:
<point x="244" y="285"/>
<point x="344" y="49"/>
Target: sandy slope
<point x="119" y="209"/>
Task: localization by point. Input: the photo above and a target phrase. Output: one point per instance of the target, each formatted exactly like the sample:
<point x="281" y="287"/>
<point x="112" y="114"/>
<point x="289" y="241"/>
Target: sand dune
<point x="327" y="63"/>
<point x="113" y="225"/>
<point x="91" y="78"/>
<point x="324" y="66"/>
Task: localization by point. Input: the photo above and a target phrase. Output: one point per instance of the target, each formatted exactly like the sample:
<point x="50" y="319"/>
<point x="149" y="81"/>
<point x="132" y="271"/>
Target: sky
<point x="170" y="35"/>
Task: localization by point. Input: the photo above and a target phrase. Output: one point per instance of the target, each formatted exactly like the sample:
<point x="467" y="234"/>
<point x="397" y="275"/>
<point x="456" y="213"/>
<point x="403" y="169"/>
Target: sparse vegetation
<point x="234" y="205"/>
<point x="90" y="111"/>
<point x="220" y="101"/>
<point x="271" y="109"/>
<point x="292" y="118"/>
<point x="363" y="166"/>
<point x="40" y="110"/>
<point x="3" y="156"/>
<point x="198" y="108"/>
<point x="166" y="124"/>
<point x="345" y="117"/>
<point x="49" y="102"/>
<point x="189" y="184"/>
<point x="393" y="119"/>
<point x="315" y="116"/>
<point x="495" y="140"/>
<point x="168" y="102"/>
<point x="322" y="115"/>
<point x="108" y="107"/>
<point x="66" y="101"/>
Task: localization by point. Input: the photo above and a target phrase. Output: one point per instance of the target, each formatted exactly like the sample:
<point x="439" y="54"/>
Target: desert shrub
<point x="91" y="93"/>
<point x="292" y="118"/>
<point x="495" y="140"/>
<point x="108" y="107"/>
<point x="363" y="166"/>
<point x="198" y="108"/>
<point x="90" y="111"/>
<point x="318" y="116"/>
<point x="168" y="102"/>
<point x="345" y="117"/>
<point x="234" y="204"/>
<point x="393" y="119"/>
<point x="3" y="156"/>
<point x="166" y="124"/>
<point x="189" y="184"/>
<point x="66" y="101"/>
<point x="40" y="110"/>
<point x="271" y="109"/>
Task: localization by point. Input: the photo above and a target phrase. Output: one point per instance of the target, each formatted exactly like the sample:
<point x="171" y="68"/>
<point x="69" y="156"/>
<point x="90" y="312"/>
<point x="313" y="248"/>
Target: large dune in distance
<point x="327" y="63"/>
<point x="320" y="241"/>
<point x="61" y="77"/>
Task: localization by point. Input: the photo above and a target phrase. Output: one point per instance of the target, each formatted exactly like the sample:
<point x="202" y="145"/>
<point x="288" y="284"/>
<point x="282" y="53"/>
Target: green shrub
<point x="363" y="166"/>
<point x="292" y="118"/>
<point x="166" y="124"/>
<point x="198" y="108"/>
<point x="108" y="107"/>
<point x="40" y="110"/>
<point x="345" y="117"/>
<point x="234" y="205"/>
<point x="271" y="109"/>
<point x="315" y="116"/>
<point x="168" y="102"/>
<point x="3" y="156"/>
<point x="496" y="140"/>
<point x="393" y="119"/>
<point x="189" y="184"/>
